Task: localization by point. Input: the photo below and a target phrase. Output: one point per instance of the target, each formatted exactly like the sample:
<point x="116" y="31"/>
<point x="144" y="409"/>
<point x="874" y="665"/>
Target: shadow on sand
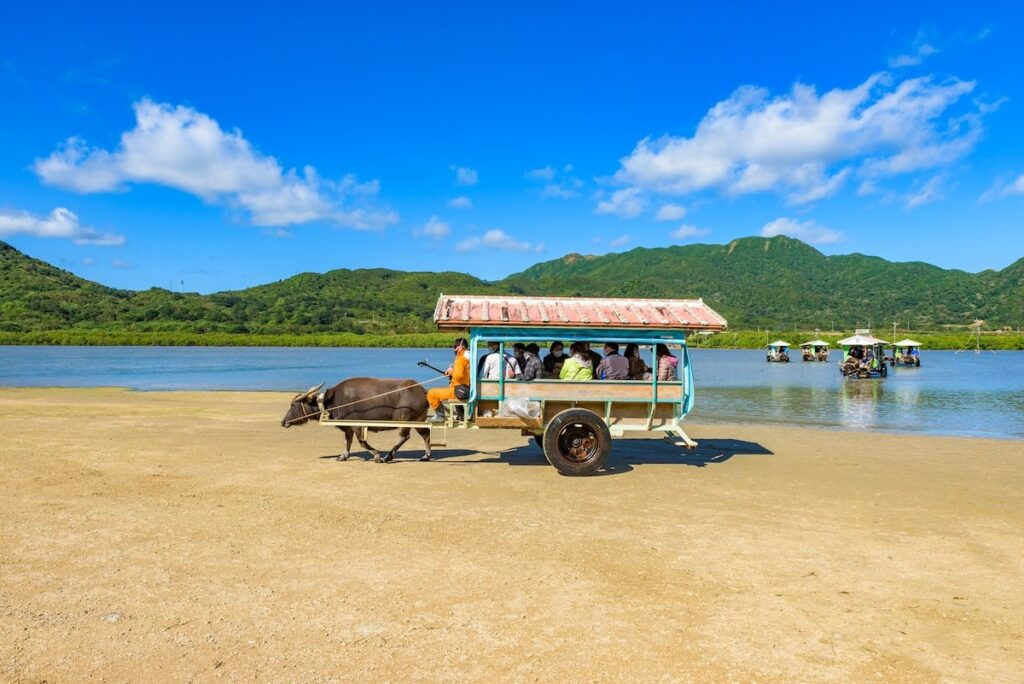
<point x="626" y="453"/>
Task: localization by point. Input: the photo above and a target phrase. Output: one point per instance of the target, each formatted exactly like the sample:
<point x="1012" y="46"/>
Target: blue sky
<point x="231" y="144"/>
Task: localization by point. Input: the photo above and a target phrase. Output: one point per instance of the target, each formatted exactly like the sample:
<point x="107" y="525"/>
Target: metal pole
<point x="501" y="374"/>
<point x="474" y="378"/>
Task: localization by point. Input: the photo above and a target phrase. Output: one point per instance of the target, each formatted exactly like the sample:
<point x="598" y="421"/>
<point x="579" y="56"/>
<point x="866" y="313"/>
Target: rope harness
<point x="322" y="410"/>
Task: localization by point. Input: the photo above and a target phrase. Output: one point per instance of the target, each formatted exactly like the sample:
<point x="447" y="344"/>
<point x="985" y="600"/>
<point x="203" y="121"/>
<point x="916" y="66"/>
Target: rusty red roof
<point x="457" y="312"/>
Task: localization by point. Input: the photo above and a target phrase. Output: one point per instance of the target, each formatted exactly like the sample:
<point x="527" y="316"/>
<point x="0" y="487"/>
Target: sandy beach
<point x="187" y="536"/>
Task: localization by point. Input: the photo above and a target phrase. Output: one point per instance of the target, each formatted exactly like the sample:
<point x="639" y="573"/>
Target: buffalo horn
<point x="307" y="393"/>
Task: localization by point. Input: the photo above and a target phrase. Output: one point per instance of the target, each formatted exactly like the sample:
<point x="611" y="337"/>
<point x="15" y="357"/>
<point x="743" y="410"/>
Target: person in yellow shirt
<point x="459" y="374"/>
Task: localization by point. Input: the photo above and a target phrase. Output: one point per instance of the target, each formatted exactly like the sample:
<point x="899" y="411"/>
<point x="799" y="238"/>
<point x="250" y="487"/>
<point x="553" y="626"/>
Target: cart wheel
<point x="577" y="442"/>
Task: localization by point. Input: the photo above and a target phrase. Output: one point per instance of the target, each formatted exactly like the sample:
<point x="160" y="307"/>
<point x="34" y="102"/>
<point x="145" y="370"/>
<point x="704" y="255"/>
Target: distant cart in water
<point x="573" y="421"/>
<point x="906" y="353"/>
<point x="815" y="350"/>
<point x="778" y="352"/>
<point x="863" y="356"/>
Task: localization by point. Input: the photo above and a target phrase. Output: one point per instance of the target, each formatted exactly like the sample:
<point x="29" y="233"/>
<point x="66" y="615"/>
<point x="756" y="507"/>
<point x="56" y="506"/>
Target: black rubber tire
<point x="577" y="442"/>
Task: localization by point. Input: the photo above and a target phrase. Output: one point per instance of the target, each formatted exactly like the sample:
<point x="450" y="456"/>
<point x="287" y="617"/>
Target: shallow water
<point x="959" y="394"/>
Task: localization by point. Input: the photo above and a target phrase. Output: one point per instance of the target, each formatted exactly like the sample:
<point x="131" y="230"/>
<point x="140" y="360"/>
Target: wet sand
<point x="181" y="536"/>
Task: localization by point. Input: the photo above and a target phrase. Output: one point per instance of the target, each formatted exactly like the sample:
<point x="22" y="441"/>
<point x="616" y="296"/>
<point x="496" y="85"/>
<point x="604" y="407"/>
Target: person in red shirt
<point x="459" y="374"/>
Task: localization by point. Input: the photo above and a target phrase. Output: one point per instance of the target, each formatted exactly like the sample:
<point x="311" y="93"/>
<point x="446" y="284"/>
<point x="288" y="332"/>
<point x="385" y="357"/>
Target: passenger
<point x="637" y="368"/>
<point x="554" y="360"/>
<point x="493" y="364"/>
<point x="530" y="362"/>
<point x="613" y="366"/>
<point x="666" y="363"/>
<point x="577" y="366"/>
<point x="595" y="358"/>
<point x="459" y="385"/>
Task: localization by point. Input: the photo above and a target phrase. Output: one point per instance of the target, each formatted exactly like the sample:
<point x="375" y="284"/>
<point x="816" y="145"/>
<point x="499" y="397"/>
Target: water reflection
<point x="859" y="402"/>
<point x="955" y="394"/>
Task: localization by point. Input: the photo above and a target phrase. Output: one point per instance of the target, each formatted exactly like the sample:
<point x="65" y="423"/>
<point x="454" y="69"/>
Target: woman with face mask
<point x="577" y="366"/>
<point x="554" y="360"/>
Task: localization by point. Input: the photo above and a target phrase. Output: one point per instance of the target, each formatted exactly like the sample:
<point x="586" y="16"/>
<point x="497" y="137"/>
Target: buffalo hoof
<point x="389" y="458"/>
<point x="342" y="457"/>
<point x="425" y="457"/>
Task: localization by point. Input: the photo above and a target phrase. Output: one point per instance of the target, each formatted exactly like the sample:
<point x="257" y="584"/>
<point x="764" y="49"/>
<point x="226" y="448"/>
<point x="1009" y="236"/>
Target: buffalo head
<point x="303" y="408"/>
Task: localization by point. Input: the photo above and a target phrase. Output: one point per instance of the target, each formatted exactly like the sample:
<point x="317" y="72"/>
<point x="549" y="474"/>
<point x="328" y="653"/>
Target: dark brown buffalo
<point x="366" y="399"/>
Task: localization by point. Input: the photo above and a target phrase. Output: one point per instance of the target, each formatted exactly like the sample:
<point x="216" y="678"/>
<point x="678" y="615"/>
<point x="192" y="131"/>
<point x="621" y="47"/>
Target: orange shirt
<point x="460" y="370"/>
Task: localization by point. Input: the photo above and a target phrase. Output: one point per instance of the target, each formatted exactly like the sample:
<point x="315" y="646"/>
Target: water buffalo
<point x="366" y="399"/>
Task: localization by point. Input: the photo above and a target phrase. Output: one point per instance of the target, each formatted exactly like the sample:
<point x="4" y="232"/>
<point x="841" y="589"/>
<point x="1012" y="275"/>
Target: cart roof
<point x="457" y="312"/>
<point x="815" y="343"/>
<point x="779" y="343"/>
<point x="861" y="340"/>
<point x="907" y="343"/>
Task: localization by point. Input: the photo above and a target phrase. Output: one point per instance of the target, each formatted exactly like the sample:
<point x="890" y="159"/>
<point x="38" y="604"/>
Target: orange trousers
<point x="439" y="394"/>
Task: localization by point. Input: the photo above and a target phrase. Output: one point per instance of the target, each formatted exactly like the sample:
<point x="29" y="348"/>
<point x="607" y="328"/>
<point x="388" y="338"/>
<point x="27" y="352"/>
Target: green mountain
<point x="778" y="282"/>
<point x="781" y="282"/>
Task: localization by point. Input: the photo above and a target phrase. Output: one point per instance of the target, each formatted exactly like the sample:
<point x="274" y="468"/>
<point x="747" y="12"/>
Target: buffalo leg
<point x="425" y="434"/>
<point x="403" y="437"/>
<point x="348" y="444"/>
<point x="366" y="445"/>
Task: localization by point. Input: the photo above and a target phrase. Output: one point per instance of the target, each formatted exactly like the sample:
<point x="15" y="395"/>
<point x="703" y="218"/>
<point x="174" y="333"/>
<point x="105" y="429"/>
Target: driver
<point x="459" y="373"/>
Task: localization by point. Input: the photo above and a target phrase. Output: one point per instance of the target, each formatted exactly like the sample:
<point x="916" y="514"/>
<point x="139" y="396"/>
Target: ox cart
<point x="573" y="421"/>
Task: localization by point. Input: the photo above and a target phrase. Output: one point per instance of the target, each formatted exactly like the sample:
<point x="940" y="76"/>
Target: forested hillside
<point x="769" y="282"/>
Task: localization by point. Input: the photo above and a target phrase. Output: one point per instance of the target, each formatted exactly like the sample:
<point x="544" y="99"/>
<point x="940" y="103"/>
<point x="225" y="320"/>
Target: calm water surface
<point x="961" y="394"/>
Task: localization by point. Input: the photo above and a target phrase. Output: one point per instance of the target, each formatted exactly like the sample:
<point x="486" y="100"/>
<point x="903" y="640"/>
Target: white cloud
<point x="624" y="203"/>
<point x="464" y="175"/>
<point x="434" y="228"/>
<point x="559" y="191"/>
<point x="929" y="192"/>
<point x="670" y="212"/>
<point x="183" y="148"/>
<point x="546" y="173"/>
<point x="557" y="183"/>
<point x="803" y="145"/>
<point x="867" y="187"/>
<point x="88" y="261"/>
<point x="919" y="50"/>
<point x="461" y="202"/>
<point x="809" y="231"/>
<point x="122" y="264"/>
<point x="686" y="231"/>
<point x="61" y="223"/>
<point x="498" y="239"/>
<point x="620" y="241"/>
<point x="1000" y="189"/>
<point x="904" y="61"/>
